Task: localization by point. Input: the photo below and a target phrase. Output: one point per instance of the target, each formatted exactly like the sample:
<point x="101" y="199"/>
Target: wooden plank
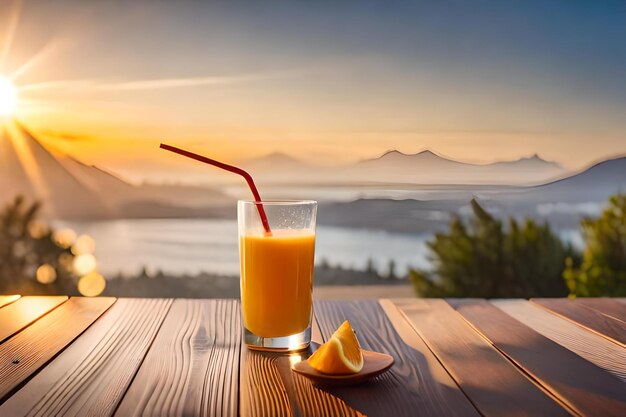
<point x="594" y="348"/>
<point x="90" y="377"/>
<point x="416" y="384"/>
<point x="192" y="368"/>
<point x="15" y="316"/>
<point x="612" y="329"/>
<point x="608" y="306"/>
<point x="30" y="349"/>
<point x="262" y="391"/>
<point x="495" y="386"/>
<point x="583" y="386"/>
<point x="268" y="386"/>
<point x="312" y="400"/>
<point x="8" y="299"/>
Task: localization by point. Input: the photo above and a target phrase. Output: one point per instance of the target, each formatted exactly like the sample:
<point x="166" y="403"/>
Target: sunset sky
<point x="333" y="81"/>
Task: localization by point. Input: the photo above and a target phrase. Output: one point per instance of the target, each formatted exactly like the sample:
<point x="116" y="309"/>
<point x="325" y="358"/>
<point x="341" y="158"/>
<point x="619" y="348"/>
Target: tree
<point x="391" y="270"/>
<point x="603" y="270"/>
<point x="485" y="259"/>
<point x="30" y="260"/>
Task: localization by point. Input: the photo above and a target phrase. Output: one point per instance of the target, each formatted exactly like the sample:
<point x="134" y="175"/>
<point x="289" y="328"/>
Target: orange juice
<point x="277" y="282"/>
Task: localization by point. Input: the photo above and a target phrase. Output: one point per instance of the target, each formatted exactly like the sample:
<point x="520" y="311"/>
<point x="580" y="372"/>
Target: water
<point x="352" y="192"/>
<point x="190" y="246"/>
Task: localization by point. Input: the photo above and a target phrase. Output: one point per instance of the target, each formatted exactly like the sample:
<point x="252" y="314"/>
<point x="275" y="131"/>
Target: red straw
<point x="234" y="169"/>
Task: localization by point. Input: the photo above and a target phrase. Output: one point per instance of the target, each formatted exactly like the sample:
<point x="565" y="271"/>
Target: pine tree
<point x="485" y="259"/>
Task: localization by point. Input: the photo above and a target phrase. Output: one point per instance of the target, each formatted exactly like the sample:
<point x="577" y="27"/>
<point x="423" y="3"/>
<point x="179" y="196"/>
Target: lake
<point x="190" y="246"/>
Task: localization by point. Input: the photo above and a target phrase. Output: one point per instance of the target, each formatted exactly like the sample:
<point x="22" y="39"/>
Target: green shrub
<point x="603" y="270"/>
<point x="482" y="258"/>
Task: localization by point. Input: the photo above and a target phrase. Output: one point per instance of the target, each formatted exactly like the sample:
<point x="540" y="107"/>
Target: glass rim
<point x="279" y="202"/>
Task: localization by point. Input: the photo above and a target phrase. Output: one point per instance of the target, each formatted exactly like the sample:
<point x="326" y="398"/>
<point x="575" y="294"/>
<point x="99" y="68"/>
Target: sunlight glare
<point x="20" y="140"/>
<point x="294" y="359"/>
<point x="8" y="96"/>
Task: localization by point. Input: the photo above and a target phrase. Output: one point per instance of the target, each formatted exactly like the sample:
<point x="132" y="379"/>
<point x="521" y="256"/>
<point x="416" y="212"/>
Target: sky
<point x="326" y="81"/>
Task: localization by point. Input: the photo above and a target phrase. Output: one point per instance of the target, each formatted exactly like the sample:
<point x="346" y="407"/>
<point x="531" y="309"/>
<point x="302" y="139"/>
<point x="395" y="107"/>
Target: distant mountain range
<point x="561" y="203"/>
<point x="425" y="167"/>
<point x="71" y="189"/>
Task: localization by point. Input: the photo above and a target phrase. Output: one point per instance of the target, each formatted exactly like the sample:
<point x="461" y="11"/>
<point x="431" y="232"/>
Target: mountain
<point x="73" y="190"/>
<point x="396" y="161"/>
<point x="534" y="161"/>
<point x="533" y="169"/>
<point x="273" y="161"/>
<point x="595" y="183"/>
<point x="398" y="156"/>
<point x="29" y="169"/>
<point x="279" y="168"/>
<point x="427" y="167"/>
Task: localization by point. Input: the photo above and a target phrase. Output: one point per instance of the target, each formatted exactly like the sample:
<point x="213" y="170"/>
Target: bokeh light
<point x="84" y="244"/>
<point x="46" y="274"/>
<point x="84" y="264"/>
<point x="64" y="238"/>
<point x="37" y="229"/>
<point x="91" y="285"/>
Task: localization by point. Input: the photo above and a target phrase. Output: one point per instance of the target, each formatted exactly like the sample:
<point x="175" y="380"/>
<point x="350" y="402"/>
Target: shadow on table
<point x="393" y="393"/>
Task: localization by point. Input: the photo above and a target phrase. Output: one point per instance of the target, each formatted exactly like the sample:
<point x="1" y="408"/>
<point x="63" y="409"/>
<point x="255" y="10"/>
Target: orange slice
<point x="341" y="354"/>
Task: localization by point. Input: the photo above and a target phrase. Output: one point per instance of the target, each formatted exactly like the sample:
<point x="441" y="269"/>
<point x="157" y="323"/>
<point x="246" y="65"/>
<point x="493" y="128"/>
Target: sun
<point x="8" y="96"/>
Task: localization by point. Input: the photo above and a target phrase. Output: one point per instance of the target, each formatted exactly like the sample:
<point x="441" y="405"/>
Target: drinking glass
<point x="277" y="273"/>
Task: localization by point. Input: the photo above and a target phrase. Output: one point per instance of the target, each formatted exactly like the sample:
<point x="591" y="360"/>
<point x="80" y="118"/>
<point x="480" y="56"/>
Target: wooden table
<point x="122" y="357"/>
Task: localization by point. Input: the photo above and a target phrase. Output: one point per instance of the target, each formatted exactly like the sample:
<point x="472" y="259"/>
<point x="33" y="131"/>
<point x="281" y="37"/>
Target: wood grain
<point x="495" y="386"/>
<point x="91" y="375"/>
<point x="268" y="387"/>
<point x="8" y="299"/>
<point x="262" y="392"/>
<point x="608" y="306"/>
<point x="609" y="327"/>
<point x="417" y="383"/>
<point x="583" y="386"/>
<point x="15" y="316"/>
<point x="594" y="348"/>
<point x="27" y="351"/>
<point x="313" y="400"/>
<point x="192" y="368"/>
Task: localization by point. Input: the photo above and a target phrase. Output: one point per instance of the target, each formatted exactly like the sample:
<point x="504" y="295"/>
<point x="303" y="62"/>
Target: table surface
<point x="174" y="357"/>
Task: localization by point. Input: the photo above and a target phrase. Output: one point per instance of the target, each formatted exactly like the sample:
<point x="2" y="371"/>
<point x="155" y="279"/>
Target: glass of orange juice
<point x="277" y="273"/>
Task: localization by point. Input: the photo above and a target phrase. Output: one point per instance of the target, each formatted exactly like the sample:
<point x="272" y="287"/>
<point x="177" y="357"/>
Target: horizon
<point x="20" y="140"/>
<point x="239" y="81"/>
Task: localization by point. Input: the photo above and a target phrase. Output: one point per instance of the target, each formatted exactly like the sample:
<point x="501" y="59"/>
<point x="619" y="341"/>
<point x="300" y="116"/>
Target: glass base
<point x="294" y="342"/>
